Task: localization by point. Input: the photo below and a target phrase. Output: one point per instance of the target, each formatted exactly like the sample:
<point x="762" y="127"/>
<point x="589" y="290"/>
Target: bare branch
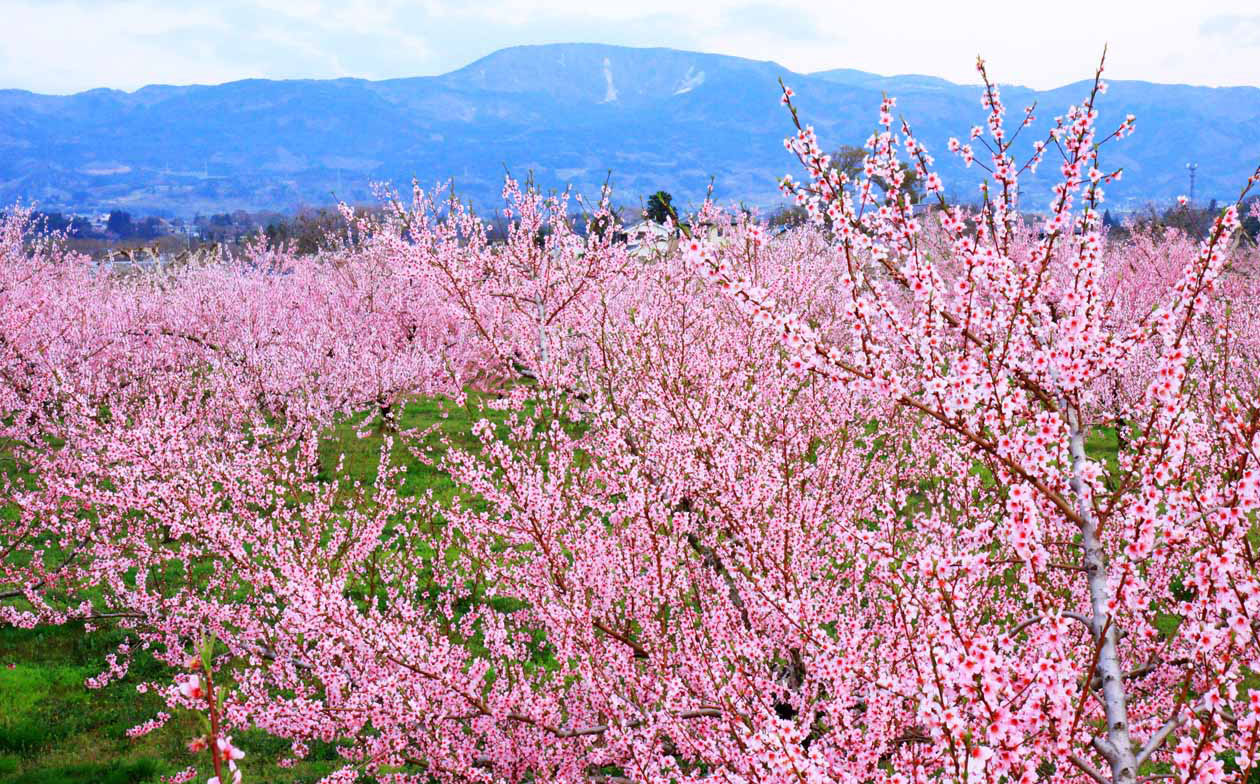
<point x="1140" y="672"/>
<point x="599" y="729"/>
<point x="1085" y="767"/>
<point x="1159" y="737"/>
<point x="1031" y="621"/>
<point x="1078" y="617"/>
<point x="1039" y="618"/>
<point x="1104" y="747"/>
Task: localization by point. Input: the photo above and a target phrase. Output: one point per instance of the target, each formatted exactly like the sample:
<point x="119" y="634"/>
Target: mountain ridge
<point x="658" y="118"/>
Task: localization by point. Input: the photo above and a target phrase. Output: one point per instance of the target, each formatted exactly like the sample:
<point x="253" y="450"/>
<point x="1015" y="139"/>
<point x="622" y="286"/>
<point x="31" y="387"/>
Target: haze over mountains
<point x="657" y="118"/>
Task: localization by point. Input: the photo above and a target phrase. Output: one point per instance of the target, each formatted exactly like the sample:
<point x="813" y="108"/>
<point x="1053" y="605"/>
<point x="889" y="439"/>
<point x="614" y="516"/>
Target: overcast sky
<point x="62" y="46"/>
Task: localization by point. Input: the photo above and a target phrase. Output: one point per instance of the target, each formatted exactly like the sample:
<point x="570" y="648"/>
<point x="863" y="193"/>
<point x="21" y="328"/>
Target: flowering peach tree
<point x="1070" y="615"/>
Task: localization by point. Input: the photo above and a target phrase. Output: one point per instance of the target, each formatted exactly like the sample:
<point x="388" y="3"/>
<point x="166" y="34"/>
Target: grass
<point x="359" y="457"/>
<point x="53" y="728"/>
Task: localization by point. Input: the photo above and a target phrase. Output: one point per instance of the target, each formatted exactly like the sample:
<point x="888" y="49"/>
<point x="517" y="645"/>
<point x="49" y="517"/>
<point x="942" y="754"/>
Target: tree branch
<point x="1083" y="619"/>
<point x="1085" y="767"/>
<point x="1159" y="737"/>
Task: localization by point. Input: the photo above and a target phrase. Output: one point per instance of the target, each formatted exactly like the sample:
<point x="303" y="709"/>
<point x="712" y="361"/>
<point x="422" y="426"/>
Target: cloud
<point x="1239" y="31"/>
<point x="69" y="45"/>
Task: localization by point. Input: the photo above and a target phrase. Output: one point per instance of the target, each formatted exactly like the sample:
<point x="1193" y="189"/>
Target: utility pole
<point x="1191" y="167"/>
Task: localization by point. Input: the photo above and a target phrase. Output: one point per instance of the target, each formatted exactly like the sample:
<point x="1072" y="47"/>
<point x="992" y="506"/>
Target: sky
<point x="65" y="46"/>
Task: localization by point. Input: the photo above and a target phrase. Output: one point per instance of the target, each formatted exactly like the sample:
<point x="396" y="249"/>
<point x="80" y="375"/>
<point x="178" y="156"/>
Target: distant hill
<point x="657" y="118"/>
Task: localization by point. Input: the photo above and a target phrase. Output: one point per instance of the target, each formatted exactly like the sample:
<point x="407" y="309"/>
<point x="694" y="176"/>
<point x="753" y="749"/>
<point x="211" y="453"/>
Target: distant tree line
<point x="70" y="225"/>
<point x="1189" y="218"/>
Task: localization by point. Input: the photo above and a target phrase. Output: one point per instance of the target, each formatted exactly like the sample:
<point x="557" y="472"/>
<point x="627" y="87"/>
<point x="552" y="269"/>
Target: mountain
<point x="568" y="113"/>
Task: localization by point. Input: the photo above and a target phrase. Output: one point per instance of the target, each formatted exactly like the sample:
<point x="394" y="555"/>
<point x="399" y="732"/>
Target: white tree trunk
<point x="1118" y="746"/>
<point x="542" y="330"/>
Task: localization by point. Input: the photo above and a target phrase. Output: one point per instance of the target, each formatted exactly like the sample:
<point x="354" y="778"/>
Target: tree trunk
<point x="1118" y="746"/>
